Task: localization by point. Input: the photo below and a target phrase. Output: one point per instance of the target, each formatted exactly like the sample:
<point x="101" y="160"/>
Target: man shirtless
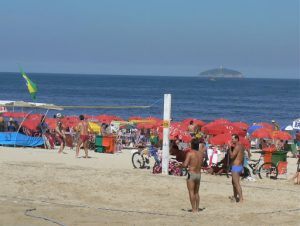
<point x="83" y="127"/>
<point x="236" y="154"/>
<point x="193" y="162"/>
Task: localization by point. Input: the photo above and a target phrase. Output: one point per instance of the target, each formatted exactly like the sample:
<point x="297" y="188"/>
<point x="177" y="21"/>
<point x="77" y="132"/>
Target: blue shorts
<point x="237" y="169"/>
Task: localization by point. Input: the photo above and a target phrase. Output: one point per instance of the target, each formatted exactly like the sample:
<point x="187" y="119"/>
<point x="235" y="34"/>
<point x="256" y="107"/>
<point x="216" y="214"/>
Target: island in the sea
<point x="221" y="73"/>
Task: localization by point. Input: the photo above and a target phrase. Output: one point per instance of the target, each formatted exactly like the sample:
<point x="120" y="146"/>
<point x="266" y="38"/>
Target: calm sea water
<point x="249" y="100"/>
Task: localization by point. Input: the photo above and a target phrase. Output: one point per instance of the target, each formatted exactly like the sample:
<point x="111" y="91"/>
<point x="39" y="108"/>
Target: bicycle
<point x="142" y="157"/>
<point x="263" y="169"/>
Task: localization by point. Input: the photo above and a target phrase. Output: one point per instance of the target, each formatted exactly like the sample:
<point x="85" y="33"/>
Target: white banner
<point x="296" y="124"/>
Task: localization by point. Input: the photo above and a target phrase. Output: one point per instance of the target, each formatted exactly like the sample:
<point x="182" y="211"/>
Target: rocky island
<point x="221" y="73"/>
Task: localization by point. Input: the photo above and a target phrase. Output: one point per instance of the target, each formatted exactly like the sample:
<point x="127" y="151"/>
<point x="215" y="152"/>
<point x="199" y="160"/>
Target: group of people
<point x="194" y="160"/>
<point x="10" y="126"/>
<point x="82" y="129"/>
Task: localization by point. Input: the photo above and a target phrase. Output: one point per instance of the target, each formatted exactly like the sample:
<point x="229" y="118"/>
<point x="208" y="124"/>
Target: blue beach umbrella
<point x="252" y="128"/>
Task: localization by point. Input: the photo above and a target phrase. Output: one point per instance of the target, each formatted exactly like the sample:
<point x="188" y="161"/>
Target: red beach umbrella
<point x="215" y="129"/>
<point x="262" y="133"/>
<point x="14" y="114"/>
<point x="196" y="121"/>
<point x="185" y="137"/>
<point x="51" y="122"/>
<point x="281" y="135"/>
<point x="241" y="125"/>
<point x="31" y="124"/>
<point x="34" y="117"/>
<point x="226" y="138"/>
<point x="104" y="118"/>
<point x="221" y="121"/>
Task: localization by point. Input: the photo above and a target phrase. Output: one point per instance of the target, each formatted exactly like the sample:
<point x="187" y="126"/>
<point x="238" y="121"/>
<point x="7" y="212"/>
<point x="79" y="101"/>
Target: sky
<point x="259" y="38"/>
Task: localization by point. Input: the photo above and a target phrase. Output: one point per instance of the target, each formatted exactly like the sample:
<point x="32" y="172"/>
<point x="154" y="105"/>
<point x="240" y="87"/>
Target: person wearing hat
<point x="275" y="125"/>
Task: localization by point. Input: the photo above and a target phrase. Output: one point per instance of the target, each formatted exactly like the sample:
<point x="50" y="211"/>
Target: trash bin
<point x="99" y="140"/>
<point x="100" y="149"/>
<point x="279" y="156"/>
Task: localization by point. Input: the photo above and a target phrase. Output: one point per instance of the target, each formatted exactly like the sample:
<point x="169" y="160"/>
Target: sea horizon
<point x="141" y="75"/>
<point x="248" y="99"/>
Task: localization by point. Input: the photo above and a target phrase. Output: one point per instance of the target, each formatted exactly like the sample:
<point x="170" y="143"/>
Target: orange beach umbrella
<point x="281" y="135"/>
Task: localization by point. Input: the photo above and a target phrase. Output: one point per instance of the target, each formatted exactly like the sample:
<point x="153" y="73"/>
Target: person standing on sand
<point x="236" y="154"/>
<point x="193" y="162"/>
<point x="83" y="127"/>
<point x="191" y="128"/>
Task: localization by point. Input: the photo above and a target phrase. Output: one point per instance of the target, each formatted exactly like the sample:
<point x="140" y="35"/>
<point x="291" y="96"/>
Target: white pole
<point x="166" y="131"/>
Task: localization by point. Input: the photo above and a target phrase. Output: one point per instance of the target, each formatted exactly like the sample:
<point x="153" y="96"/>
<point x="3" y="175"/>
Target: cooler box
<point x="279" y="156"/>
<point x="99" y="140"/>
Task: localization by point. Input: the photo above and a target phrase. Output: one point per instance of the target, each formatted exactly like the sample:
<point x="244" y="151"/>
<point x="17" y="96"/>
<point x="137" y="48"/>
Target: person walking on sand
<point x="193" y="162"/>
<point x="83" y="127"/>
<point x="60" y="133"/>
<point x="236" y="154"/>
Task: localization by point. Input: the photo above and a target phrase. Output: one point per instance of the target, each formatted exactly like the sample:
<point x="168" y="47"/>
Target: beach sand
<point x="106" y="190"/>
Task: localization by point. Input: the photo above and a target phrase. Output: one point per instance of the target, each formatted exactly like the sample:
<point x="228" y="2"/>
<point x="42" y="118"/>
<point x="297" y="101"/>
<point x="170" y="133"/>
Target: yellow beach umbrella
<point x="95" y="127"/>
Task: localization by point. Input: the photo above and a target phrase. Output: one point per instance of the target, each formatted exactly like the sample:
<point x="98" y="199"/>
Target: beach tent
<point x="18" y="139"/>
<point x="23" y="104"/>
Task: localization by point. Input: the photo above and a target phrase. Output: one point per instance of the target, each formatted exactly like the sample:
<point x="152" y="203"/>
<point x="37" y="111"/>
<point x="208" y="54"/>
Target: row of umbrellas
<point x="220" y="129"/>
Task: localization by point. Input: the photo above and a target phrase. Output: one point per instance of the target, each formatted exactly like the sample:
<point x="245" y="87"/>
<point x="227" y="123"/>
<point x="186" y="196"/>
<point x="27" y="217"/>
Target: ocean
<point x="249" y="100"/>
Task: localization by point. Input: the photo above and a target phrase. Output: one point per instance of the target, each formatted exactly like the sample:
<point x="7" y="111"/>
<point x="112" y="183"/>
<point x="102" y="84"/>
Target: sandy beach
<point x="106" y="190"/>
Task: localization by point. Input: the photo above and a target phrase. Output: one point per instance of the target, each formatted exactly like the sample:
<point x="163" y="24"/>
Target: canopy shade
<point x="23" y="104"/>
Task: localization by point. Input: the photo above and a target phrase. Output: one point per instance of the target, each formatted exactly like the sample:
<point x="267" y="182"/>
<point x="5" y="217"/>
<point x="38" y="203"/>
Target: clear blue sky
<point x="151" y="37"/>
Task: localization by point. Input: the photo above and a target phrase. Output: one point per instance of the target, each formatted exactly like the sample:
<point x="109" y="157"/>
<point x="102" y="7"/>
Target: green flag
<point x="32" y="87"/>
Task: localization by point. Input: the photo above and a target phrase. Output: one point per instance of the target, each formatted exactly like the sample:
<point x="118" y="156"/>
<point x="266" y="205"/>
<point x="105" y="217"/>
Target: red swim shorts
<point x="84" y="138"/>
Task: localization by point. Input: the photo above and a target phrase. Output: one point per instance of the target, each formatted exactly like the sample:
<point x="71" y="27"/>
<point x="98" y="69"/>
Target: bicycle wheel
<point x="138" y="160"/>
<point x="268" y="170"/>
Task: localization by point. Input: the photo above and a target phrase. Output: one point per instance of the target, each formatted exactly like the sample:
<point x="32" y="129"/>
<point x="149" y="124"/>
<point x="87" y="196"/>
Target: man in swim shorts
<point x="83" y="127"/>
<point x="193" y="162"/>
<point x="236" y="154"/>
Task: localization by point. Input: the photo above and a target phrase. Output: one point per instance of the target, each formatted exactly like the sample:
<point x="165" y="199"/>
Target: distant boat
<point x="221" y="73"/>
<point x="212" y="79"/>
